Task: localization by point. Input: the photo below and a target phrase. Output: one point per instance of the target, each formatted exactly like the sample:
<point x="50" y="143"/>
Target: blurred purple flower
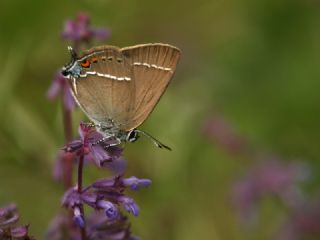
<point x="102" y="228"/>
<point x="59" y="164"/>
<point x="60" y="86"/>
<point x="57" y="229"/>
<point x="220" y="131"/>
<point x="8" y="219"/>
<point x="303" y="222"/>
<point x="19" y="232"/>
<point x="8" y="215"/>
<point x="80" y="30"/>
<point x="245" y="197"/>
<point x="98" y="227"/>
<point x="271" y="177"/>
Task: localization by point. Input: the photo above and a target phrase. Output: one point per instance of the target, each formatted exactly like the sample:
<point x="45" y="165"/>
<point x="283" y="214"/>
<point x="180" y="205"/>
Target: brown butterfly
<point x="118" y="88"/>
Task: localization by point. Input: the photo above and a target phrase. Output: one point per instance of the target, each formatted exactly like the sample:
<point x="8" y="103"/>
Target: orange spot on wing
<point x="85" y="63"/>
<point x="94" y="59"/>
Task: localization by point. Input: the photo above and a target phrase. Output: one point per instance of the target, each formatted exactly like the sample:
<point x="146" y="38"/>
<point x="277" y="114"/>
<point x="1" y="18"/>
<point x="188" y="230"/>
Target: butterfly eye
<point x="64" y="71"/>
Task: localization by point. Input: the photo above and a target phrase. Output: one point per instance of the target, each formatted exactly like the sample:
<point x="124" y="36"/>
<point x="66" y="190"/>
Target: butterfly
<point x="117" y="88"/>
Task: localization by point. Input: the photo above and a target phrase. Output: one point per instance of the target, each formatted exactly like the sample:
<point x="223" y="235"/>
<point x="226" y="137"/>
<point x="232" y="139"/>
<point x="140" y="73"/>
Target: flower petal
<point x="134" y="183"/>
<point x="130" y="205"/>
<point x="110" y="209"/>
<point x="78" y="218"/>
<point x="19" y="232"/>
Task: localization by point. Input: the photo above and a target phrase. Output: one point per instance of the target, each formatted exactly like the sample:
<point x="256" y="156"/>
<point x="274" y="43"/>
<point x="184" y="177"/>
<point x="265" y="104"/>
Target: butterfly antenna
<point x="155" y="141"/>
<point x="72" y="52"/>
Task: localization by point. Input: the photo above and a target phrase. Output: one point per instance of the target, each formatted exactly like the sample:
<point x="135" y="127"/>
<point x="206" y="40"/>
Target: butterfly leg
<point x="104" y="139"/>
<point x="116" y="143"/>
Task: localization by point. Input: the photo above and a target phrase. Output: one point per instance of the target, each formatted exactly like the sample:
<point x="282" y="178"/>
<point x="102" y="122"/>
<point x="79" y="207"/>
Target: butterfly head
<point x="72" y="69"/>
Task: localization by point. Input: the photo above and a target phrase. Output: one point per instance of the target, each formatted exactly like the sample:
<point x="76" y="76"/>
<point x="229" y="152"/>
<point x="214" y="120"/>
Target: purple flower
<point x="60" y="86"/>
<point x="106" y="194"/>
<point x="245" y="198"/>
<point x="57" y="228"/>
<point x="95" y="148"/>
<point x="60" y="162"/>
<point x="102" y="155"/>
<point x="222" y="133"/>
<point x="80" y="30"/>
<point x="19" y="232"/>
<point x="78" y="217"/>
<point x="303" y="222"/>
<point x="109" y="208"/>
<point x="8" y="215"/>
<point x="117" y="166"/>
<point x="72" y="198"/>
<point x="101" y="228"/>
<point x="118" y="184"/>
<point x="130" y="205"/>
<point x="135" y="183"/>
<point x="108" y="184"/>
<point x="8" y="219"/>
<point x="271" y="177"/>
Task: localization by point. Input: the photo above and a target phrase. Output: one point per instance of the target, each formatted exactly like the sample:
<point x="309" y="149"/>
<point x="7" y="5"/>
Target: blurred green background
<point x="256" y="63"/>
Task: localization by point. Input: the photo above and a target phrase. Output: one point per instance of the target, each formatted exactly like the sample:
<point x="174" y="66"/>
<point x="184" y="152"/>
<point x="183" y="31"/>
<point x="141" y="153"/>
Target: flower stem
<point x="80" y="171"/>
<point x="80" y="184"/>
<point x="67" y="123"/>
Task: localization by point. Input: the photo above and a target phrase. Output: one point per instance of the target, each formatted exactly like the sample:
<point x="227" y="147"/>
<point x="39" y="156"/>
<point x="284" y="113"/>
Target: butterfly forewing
<point x="153" y="66"/>
<point x="105" y="91"/>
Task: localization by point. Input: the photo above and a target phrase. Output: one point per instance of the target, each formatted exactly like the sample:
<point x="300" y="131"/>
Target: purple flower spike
<point x="130" y="205"/>
<point x="135" y="183"/>
<point x="101" y="33"/>
<point x="269" y="178"/>
<point x="8" y="229"/>
<point x="78" y="218"/>
<point x="80" y="30"/>
<point x="221" y="132"/>
<point x="110" y="209"/>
